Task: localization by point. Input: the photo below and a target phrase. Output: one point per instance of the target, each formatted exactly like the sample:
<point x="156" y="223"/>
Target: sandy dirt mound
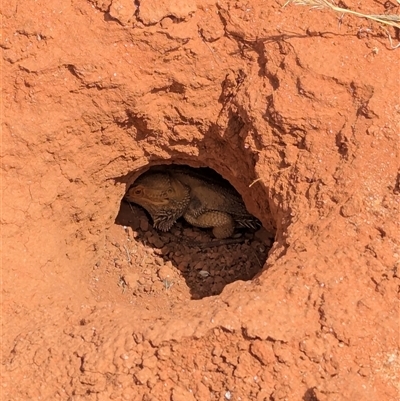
<point x="297" y="109"/>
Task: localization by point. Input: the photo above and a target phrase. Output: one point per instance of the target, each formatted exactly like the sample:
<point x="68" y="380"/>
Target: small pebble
<point x="144" y="223"/>
<point x="156" y="241"/>
<point x="165" y="272"/>
<point x="131" y="279"/>
<point x="199" y="265"/>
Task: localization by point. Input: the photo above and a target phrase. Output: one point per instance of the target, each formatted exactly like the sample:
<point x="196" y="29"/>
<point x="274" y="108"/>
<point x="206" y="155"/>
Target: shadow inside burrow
<point x="310" y="395"/>
<point x="207" y="264"/>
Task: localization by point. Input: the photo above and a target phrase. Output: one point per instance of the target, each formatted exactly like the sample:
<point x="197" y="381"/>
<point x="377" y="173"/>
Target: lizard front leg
<point x="222" y="223"/>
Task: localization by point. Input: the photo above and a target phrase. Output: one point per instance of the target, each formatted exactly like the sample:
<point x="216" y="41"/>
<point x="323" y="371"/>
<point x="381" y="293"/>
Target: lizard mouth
<point x="144" y="201"/>
<point x="157" y="202"/>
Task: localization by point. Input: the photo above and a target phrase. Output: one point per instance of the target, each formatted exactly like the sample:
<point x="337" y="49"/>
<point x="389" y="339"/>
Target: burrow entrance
<point x="149" y="261"/>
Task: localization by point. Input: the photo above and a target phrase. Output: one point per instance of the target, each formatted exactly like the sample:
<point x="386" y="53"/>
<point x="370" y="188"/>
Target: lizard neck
<point x="165" y="217"/>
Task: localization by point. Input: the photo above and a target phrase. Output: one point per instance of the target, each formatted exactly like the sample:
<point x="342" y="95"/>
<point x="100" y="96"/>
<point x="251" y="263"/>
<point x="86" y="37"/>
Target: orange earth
<point x="299" y="109"/>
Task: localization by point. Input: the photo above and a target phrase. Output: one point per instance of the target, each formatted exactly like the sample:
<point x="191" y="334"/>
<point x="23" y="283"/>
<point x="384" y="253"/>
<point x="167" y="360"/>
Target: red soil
<point x="299" y="110"/>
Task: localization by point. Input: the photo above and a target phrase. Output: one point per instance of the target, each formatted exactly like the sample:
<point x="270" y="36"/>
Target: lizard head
<point x="163" y="196"/>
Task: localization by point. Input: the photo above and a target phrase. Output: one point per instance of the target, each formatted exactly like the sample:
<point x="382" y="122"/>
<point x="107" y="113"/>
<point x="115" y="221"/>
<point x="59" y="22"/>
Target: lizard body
<point x="203" y="202"/>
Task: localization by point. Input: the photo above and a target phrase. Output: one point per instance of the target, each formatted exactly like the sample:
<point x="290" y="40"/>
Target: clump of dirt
<point x="299" y="113"/>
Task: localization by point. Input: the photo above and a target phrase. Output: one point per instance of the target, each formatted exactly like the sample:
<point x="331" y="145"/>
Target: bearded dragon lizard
<point x="171" y="193"/>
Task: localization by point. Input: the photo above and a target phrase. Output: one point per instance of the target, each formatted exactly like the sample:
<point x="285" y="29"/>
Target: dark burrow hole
<point x="206" y="263"/>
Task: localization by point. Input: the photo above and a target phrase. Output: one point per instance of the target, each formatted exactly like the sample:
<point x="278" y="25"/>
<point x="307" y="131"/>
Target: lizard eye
<point x="170" y="191"/>
<point x="137" y="191"/>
